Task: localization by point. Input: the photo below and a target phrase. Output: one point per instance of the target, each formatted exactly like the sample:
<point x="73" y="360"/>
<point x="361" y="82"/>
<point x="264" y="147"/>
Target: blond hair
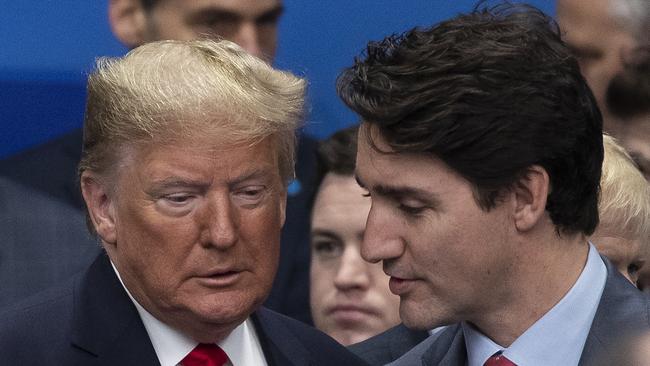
<point x="625" y="194"/>
<point x="169" y="90"/>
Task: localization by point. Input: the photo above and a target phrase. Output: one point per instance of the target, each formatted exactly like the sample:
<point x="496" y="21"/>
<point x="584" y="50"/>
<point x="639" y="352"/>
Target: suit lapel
<point x="105" y="321"/>
<point x="620" y="311"/>
<point x="406" y="339"/>
<point x="280" y="345"/>
<point x="448" y="349"/>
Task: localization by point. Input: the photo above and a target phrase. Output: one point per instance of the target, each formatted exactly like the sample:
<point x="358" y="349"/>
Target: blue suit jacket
<point x="90" y="320"/>
<point x="622" y="309"/>
<point x="389" y="345"/>
<point x="43" y="238"/>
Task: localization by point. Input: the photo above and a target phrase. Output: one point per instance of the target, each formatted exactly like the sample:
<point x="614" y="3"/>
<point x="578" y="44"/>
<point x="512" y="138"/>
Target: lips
<point x="220" y="278"/>
<point x="400" y="286"/>
<point x="350" y="314"/>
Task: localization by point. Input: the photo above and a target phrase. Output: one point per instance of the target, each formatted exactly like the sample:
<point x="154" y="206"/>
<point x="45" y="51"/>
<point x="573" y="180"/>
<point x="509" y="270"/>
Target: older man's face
<point x="197" y="229"/>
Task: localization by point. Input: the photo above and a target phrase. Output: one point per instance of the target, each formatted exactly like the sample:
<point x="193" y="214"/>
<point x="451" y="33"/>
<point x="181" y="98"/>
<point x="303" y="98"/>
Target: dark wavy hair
<point x="336" y="154"/>
<point x="491" y="93"/>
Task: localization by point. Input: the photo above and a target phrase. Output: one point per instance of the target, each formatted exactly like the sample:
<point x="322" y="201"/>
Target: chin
<point x="350" y="337"/>
<point x="217" y="311"/>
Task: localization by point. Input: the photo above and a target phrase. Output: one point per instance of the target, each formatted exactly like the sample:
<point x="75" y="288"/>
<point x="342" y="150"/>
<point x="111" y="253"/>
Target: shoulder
<point x="50" y="168"/>
<point x="389" y="345"/>
<point x="297" y="338"/>
<point x="38" y="325"/>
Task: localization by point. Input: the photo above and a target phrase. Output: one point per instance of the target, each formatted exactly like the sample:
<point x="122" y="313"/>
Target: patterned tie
<point x="498" y="359"/>
<point x="205" y="355"/>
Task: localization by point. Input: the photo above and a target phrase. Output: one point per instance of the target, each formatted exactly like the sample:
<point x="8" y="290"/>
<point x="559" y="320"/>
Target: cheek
<point x="321" y="279"/>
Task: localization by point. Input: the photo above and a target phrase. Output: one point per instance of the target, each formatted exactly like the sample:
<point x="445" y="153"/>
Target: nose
<point x="249" y="39"/>
<point x="381" y="239"/>
<point x="221" y="224"/>
<point x="352" y="272"/>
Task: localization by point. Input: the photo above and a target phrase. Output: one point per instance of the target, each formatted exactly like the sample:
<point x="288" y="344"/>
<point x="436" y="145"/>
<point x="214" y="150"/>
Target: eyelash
<point x="410" y="210"/>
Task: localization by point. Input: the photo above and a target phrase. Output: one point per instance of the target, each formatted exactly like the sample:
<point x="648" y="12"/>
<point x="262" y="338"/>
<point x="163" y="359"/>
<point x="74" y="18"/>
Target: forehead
<point x="243" y="8"/>
<point x="378" y="167"/>
<point x="339" y="190"/>
<point x="202" y="158"/>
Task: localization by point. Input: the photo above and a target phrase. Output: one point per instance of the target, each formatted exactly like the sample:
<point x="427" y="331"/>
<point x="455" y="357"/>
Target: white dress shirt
<point x="242" y="345"/>
<point x="559" y="336"/>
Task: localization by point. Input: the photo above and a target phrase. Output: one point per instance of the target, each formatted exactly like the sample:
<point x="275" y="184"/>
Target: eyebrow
<point x="399" y="192"/>
<point x="214" y="11"/>
<point x="259" y="173"/>
<point x="324" y="232"/>
<point x="177" y="182"/>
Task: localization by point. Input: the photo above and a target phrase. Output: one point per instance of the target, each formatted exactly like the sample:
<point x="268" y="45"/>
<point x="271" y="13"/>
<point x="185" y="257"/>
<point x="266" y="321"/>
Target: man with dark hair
<point x="41" y="211"/>
<point x="481" y="148"/>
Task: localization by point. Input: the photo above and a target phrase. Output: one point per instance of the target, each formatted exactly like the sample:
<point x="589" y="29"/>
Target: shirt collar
<point x="559" y="336"/>
<point x="242" y="344"/>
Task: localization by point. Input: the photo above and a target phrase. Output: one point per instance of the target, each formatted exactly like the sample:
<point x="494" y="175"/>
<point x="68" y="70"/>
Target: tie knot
<point x="205" y="354"/>
<point x="498" y="359"/>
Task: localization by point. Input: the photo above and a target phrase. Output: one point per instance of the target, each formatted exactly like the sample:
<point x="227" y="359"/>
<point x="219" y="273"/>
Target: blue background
<point x="48" y="46"/>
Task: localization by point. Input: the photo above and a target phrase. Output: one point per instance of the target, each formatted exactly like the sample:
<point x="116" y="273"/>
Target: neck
<point x="545" y="272"/>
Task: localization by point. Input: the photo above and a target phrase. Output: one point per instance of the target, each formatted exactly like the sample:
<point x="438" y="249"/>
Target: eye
<point x="633" y="271"/>
<point x="250" y="194"/>
<point x="178" y="198"/>
<point x="411" y="209"/>
<point x="326" y="248"/>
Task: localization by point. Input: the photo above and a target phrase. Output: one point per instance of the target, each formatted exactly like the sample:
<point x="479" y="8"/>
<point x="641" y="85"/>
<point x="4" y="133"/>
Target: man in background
<point x="601" y="35"/>
<point x="40" y="202"/>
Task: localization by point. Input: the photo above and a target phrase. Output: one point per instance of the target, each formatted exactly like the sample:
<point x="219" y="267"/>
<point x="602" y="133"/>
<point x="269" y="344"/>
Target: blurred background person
<point x="350" y="298"/>
<point x="601" y="34"/>
<point x="39" y="195"/>
<point x="628" y="99"/>
<point x="623" y="233"/>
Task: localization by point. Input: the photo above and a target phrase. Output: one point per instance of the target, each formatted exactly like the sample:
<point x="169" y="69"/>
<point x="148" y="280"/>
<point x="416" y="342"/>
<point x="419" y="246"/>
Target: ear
<point x="530" y="194"/>
<point x="100" y="207"/>
<point x="128" y="21"/>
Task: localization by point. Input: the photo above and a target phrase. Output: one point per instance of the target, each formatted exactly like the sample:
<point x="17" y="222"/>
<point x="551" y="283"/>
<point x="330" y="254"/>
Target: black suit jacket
<point x="43" y="239"/>
<point x="622" y="309"/>
<point x="389" y="345"/>
<point x="90" y="320"/>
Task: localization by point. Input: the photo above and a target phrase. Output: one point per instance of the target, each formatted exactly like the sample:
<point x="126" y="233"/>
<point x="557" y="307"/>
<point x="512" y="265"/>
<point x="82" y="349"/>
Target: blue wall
<point x="48" y="46"/>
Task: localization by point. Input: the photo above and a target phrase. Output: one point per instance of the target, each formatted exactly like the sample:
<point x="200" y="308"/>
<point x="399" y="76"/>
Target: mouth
<point x="222" y="278"/>
<point x="399" y="286"/>
<point x="350" y="314"/>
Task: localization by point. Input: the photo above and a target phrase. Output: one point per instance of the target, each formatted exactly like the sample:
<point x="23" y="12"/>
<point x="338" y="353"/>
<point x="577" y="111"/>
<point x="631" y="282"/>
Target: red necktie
<point x="498" y="359"/>
<point x="205" y="355"/>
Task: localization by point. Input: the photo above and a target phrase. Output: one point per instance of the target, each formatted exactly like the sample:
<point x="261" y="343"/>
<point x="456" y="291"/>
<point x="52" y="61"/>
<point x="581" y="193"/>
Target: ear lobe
<point x="100" y="207"/>
<point x="531" y="193"/>
<point x="128" y="21"/>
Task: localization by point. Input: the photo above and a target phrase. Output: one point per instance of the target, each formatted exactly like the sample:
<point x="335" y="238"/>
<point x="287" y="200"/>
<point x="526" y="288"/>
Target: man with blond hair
<point x="188" y="149"/>
<point x="623" y="234"/>
<point x="38" y="188"/>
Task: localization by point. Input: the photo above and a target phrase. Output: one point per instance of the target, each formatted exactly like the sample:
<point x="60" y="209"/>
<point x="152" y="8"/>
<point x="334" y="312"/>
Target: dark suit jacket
<point x="389" y="345"/>
<point x="622" y="309"/>
<point x="43" y="238"/>
<point x="90" y="320"/>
